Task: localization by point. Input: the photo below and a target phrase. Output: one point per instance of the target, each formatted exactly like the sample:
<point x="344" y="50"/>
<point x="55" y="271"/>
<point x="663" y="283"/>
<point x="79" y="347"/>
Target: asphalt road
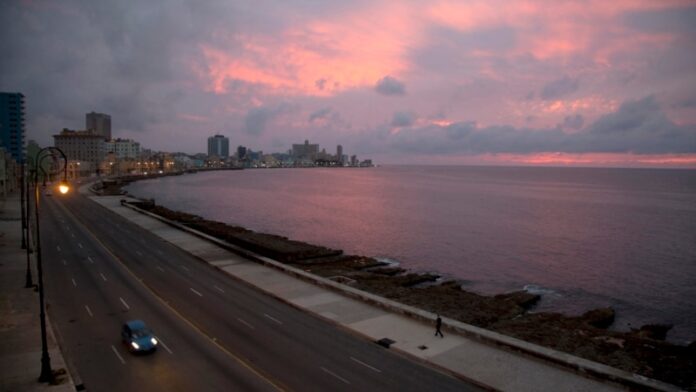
<point x="217" y="333"/>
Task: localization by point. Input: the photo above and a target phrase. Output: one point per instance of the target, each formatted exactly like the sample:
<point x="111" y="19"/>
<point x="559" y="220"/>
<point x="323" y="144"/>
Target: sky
<point x="592" y="83"/>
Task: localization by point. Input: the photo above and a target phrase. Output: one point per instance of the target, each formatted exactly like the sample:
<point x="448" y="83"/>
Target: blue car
<point x="138" y="337"/>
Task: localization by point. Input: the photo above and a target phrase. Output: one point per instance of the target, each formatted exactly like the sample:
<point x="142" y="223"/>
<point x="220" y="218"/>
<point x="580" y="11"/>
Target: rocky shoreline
<point x="642" y="351"/>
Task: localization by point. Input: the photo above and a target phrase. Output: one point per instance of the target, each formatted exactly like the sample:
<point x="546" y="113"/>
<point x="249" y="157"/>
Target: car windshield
<point x="141" y="333"/>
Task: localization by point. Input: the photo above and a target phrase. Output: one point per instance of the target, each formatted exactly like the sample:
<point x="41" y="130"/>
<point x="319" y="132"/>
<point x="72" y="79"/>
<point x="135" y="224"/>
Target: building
<point x="219" y="146"/>
<point x="123" y="148"/>
<point x="339" y="154"/>
<point x="305" y="152"/>
<point x="99" y="124"/>
<point x="12" y="124"/>
<point x="82" y="146"/>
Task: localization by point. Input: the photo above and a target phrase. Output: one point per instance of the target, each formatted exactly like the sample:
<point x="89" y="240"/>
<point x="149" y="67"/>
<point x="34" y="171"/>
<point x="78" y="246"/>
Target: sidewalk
<point x="458" y="354"/>
<point x="20" y="331"/>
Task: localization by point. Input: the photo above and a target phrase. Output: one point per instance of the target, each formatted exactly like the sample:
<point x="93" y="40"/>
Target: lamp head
<point x="63" y="187"/>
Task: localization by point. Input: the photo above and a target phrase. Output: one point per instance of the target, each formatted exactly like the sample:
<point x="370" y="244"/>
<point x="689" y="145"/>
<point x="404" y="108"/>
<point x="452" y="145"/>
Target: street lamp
<point x="46" y="372"/>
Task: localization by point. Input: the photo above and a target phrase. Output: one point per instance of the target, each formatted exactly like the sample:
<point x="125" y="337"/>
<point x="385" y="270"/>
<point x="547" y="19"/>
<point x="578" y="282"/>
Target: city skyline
<point x="425" y="82"/>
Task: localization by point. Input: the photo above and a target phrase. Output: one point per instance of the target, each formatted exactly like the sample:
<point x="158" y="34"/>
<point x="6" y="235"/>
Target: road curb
<point x="579" y="365"/>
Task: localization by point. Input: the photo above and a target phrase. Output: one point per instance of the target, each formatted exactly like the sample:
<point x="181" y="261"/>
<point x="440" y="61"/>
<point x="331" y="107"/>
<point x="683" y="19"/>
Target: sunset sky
<point x="443" y="82"/>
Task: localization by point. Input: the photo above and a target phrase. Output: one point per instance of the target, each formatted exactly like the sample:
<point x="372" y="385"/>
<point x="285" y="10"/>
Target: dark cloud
<point x="559" y="88"/>
<point x="390" y="86"/>
<point x="320" y="114"/>
<point x="673" y="20"/>
<point x="573" y="122"/>
<point x="257" y="118"/>
<point x="320" y="83"/>
<point x="636" y="127"/>
<point x="403" y="119"/>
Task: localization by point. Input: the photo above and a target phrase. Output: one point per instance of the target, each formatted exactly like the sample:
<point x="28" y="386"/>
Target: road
<point x="217" y="333"/>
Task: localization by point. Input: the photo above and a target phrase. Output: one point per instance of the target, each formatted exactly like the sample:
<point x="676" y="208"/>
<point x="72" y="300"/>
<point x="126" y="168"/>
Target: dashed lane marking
<point x="139" y="252"/>
<point x="103" y="277"/>
<point x="164" y="345"/>
<point x="90" y="259"/>
<point x="334" y="374"/>
<point x="245" y="323"/>
<point x="275" y="320"/>
<point x="196" y="292"/>
<point x="219" y="289"/>
<point x="120" y="358"/>
<point x="185" y="268"/>
<point x="73" y="282"/>
<point x="58" y="248"/>
<point x="89" y="311"/>
<point x="124" y="303"/>
<point x="366" y="365"/>
<point x="80" y="245"/>
<point x="65" y="262"/>
<point x="160" y="268"/>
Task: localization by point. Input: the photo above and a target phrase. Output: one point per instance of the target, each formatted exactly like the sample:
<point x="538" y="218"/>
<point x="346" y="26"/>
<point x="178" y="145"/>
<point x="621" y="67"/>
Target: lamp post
<point x="46" y="372"/>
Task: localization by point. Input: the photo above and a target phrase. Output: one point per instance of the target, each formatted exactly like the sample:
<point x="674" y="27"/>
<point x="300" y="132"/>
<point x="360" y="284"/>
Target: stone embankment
<point x="642" y="351"/>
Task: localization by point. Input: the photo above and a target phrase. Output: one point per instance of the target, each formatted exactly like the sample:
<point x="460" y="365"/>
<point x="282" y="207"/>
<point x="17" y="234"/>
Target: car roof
<point x="135" y="324"/>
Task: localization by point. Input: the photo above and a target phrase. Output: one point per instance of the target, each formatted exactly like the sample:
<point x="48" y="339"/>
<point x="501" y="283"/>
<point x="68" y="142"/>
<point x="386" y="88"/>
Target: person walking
<point x="438" y="325"/>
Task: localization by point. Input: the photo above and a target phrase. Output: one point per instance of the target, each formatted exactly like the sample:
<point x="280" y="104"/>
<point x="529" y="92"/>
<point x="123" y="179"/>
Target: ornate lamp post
<point x="55" y="154"/>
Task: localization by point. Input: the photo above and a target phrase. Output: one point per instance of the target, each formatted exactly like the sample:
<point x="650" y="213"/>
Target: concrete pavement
<point x="20" y="332"/>
<point x="459" y="354"/>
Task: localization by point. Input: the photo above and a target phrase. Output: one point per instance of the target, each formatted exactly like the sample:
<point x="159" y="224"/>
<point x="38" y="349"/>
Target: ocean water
<point x="580" y="237"/>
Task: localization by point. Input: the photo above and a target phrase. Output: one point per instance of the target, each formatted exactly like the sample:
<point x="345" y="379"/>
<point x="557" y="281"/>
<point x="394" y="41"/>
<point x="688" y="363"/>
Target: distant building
<point x="219" y="146"/>
<point x="123" y="148"/>
<point x="82" y="146"/>
<point x="99" y="124"/>
<point x="305" y="152"/>
<point x="12" y="124"/>
<point x="339" y="153"/>
<point x="241" y="152"/>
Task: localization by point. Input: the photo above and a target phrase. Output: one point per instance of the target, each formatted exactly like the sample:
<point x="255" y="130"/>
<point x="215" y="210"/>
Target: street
<point x="216" y="333"/>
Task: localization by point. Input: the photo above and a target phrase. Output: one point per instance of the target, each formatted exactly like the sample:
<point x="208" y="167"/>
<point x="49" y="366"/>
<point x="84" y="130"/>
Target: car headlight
<point x="154" y="341"/>
<point x="135" y="345"/>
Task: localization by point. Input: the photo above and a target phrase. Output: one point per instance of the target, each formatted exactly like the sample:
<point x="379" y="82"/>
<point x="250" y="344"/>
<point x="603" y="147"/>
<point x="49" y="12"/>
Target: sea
<point x="582" y="238"/>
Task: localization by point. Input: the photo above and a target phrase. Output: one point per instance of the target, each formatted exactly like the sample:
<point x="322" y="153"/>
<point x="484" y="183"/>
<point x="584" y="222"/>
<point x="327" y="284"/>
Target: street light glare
<point x="63" y="188"/>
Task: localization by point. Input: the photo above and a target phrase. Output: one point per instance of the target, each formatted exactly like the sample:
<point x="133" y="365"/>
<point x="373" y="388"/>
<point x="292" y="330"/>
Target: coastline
<point x="641" y="351"/>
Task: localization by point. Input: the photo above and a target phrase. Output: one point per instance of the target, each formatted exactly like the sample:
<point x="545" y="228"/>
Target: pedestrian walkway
<point x="20" y="331"/>
<point x="460" y="355"/>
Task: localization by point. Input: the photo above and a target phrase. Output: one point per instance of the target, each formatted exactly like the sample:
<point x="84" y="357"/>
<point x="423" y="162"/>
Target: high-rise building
<point x="12" y="124"/>
<point x="81" y="146"/>
<point x="305" y="151"/>
<point x="339" y="153"/>
<point x="99" y="123"/>
<point x="241" y="152"/>
<point x="219" y="146"/>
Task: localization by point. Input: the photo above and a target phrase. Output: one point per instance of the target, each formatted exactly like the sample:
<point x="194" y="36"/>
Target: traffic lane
<point x="203" y="290"/>
<point x="122" y="299"/>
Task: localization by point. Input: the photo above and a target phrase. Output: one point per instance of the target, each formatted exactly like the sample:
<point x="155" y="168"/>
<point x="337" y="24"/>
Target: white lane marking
<point x="334" y="374"/>
<point x="58" y="248"/>
<point x="73" y="235"/>
<point x="164" y="345"/>
<point x="245" y="323"/>
<point x="196" y="292"/>
<point x="139" y="253"/>
<point x="120" y="358"/>
<point x="219" y="289"/>
<point x="80" y="245"/>
<point x="160" y="268"/>
<point x="65" y="262"/>
<point x="73" y="282"/>
<point x="184" y="267"/>
<point x="366" y="365"/>
<point x="103" y="277"/>
<point x="89" y="311"/>
<point x="272" y="318"/>
<point x="124" y="303"/>
<point x="90" y="259"/>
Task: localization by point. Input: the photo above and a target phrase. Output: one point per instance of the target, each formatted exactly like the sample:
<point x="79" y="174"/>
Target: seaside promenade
<point x="485" y="364"/>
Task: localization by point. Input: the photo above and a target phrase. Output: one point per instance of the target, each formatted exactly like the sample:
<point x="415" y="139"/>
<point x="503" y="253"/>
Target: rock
<point x="653" y="331"/>
<point x="599" y="318"/>
<point x="520" y="298"/>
